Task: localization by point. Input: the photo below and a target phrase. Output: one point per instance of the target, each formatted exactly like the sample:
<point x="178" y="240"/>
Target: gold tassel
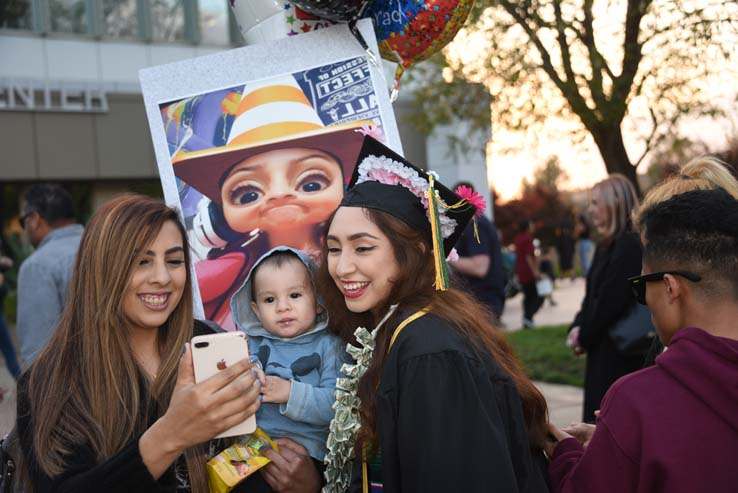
<point x="439" y="257"/>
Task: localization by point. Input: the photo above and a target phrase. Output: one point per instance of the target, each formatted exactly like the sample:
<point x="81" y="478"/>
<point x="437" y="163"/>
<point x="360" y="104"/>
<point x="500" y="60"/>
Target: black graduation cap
<point x="385" y="181"/>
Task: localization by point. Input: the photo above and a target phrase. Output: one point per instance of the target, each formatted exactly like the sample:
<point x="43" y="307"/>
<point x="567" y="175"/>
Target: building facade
<point x="71" y="108"/>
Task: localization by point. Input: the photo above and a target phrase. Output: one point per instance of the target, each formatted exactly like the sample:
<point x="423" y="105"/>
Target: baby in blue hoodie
<point x="280" y="311"/>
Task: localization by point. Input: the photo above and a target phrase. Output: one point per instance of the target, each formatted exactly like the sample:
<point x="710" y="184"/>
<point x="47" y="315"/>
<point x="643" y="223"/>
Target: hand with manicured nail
<point x="198" y="412"/>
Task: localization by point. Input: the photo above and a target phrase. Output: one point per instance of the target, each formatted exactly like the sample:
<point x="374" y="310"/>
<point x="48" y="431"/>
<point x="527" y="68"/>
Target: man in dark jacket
<point x="672" y="427"/>
<point x="480" y="262"/>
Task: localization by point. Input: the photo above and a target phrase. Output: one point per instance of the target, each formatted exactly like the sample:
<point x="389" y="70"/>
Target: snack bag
<point x="238" y="461"/>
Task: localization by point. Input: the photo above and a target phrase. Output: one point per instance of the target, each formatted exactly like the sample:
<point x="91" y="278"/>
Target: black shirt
<point x="489" y="289"/>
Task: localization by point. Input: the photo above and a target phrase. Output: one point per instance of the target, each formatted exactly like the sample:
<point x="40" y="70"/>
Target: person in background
<point x="480" y="262"/>
<point x="6" y="342"/>
<point x="607" y="298"/>
<point x="586" y="246"/>
<point x="565" y="247"/>
<point x="47" y="219"/>
<point x="526" y="268"/>
<point x="547" y="270"/>
<point x="702" y="173"/>
<point x="672" y="427"/>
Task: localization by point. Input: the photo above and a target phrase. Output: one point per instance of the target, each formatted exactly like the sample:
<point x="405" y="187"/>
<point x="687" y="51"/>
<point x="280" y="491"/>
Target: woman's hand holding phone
<point x="198" y="412"/>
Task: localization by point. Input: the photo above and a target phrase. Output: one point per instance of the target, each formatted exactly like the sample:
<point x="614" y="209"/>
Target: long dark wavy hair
<point x="412" y="291"/>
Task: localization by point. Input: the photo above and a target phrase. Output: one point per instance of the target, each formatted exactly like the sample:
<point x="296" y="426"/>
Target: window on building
<point x="120" y="18"/>
<point x="167" y="20"/>
<point x="68" y="16"/>
<point x="214" y="28"/>
<point x="15" y="14"/>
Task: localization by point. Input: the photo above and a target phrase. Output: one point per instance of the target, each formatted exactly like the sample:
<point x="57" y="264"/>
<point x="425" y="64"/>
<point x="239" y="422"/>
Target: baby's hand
<point x="276" y="390"/>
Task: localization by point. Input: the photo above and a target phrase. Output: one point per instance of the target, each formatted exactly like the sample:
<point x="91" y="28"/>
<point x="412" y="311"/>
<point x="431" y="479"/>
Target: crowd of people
<point x="373" y="367"/>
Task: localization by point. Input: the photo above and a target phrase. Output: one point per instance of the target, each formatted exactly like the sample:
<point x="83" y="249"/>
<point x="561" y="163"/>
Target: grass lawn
<point x="545" y="356"/>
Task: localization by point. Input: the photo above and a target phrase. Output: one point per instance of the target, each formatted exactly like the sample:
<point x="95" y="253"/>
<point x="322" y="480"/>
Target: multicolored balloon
<point x="409" y="31"/>
<point x="335" y="10"/>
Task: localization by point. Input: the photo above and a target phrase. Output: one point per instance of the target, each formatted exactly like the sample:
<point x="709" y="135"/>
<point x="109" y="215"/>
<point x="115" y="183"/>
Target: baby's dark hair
<point x="276" y="259"/>
<point x="696" y="231"/>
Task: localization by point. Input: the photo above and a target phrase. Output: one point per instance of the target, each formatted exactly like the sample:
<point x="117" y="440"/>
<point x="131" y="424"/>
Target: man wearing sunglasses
<point x="672" y="427"/>
<point x="47" y="219"/>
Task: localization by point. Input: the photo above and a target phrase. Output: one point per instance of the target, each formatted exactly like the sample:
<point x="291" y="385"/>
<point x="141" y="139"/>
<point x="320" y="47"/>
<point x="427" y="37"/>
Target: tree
<point x="609" y="65"/>
<point x="550" y="174"/>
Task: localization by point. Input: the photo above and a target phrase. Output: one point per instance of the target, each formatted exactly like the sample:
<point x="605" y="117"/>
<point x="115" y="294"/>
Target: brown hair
<point x="85" y="386"/>
<point x="412" y="291"/>
<point x="702" y="173"/>
<point x="620" y="198"/>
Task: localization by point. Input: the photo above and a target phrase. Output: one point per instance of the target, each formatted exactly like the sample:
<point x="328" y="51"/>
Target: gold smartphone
<point x="212" y="353"/>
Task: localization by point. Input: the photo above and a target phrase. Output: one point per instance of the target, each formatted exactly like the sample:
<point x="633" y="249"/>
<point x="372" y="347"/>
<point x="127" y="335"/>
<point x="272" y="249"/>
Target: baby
<point x="279" y="310"/>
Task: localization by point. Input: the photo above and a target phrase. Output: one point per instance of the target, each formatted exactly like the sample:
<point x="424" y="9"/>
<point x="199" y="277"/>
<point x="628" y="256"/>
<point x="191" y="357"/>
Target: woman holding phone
<point x="111" y="403"/>
<point x="444" y="404"/>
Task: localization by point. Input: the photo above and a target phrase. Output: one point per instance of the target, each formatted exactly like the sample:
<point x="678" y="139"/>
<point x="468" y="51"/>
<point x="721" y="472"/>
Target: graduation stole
<point x="403" y="324"/>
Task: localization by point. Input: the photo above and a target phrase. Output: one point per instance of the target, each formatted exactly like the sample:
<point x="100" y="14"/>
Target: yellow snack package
<point x="239" y="461"/>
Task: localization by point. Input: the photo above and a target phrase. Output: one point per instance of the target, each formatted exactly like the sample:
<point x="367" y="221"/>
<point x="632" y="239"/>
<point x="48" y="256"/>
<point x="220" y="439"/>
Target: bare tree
<point x="610" y="65"/>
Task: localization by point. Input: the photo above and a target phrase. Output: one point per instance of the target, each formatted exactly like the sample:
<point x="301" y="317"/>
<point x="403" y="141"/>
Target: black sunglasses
<point x="638" y="283"/>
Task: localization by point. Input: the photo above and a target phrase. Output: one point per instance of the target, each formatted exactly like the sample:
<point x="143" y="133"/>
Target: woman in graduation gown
<point x="444" y="403"/>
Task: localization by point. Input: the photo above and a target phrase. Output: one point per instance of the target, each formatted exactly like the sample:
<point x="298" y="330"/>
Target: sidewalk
<point x="7" y="406"/>
<point x="564" y="401"/>
<point x="568" y="296"/>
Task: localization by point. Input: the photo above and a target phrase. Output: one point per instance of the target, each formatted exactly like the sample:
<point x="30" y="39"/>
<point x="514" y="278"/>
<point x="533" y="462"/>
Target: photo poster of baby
<point x="264" y="163"/>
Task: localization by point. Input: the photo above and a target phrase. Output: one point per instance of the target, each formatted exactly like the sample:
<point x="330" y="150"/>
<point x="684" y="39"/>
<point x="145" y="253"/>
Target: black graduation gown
<point x="123" y="472"/>
<point x="449" y="419"/>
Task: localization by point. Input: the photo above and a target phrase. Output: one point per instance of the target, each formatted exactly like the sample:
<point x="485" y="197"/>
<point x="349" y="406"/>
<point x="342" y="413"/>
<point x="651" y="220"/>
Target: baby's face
<point x="282" y="189"/>
<point x="285" y="300"/>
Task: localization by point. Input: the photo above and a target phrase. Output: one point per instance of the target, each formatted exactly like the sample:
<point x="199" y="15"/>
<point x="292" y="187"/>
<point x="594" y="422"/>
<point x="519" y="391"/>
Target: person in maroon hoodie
<point x="672" y="427"/>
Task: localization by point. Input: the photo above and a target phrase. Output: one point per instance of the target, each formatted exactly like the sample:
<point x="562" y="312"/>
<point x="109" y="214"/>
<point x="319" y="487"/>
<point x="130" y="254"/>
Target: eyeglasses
<point x="22" y="219"/>
<point x="638" y="283"/>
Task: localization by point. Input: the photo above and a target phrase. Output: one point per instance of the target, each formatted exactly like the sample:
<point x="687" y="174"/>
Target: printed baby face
<point x="285" y="300"/>
<point x="282" y="189"/>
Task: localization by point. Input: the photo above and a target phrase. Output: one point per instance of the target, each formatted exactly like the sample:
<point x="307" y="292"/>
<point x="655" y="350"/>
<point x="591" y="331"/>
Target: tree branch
<point x="649" y="139"/>
<point x="632" y="54"/>
<point x="572" y="95"/>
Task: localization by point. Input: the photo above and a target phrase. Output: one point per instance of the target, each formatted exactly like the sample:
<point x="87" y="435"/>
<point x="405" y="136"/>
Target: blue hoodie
<point x="311" y="362"/>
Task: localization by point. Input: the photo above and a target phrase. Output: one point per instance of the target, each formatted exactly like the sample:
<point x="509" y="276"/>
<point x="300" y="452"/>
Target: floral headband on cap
<point x="385" y="181"/>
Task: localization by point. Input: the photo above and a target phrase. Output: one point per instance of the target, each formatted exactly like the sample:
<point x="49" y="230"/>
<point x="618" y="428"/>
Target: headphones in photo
<point x="212" y="230"/>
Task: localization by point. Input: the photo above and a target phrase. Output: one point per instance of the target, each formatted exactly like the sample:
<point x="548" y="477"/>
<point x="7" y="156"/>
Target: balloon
<point x="335" y="10"/>
<point x="409" y="31"/>
<point x="266" y="20"/>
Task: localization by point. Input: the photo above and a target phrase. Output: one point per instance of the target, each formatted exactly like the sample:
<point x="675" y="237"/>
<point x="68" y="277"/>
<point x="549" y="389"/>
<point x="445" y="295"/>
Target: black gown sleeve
<point x="451" y="435"/>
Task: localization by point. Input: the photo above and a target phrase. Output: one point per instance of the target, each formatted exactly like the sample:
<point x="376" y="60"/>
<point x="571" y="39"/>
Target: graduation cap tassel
<point x="439" y="256"/>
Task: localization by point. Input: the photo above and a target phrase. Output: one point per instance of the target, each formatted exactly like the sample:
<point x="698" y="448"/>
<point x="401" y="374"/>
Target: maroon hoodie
<point x="670" y="428"/>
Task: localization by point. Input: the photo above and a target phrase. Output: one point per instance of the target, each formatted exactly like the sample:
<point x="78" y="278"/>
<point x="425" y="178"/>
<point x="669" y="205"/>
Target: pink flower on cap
<point x="472" y="197"/>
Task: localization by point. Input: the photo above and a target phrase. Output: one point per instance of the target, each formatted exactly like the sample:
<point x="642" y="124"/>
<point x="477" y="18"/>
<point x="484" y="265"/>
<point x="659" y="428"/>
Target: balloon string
<point x="396" y="86"/>
<point x="360" y="38"/>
